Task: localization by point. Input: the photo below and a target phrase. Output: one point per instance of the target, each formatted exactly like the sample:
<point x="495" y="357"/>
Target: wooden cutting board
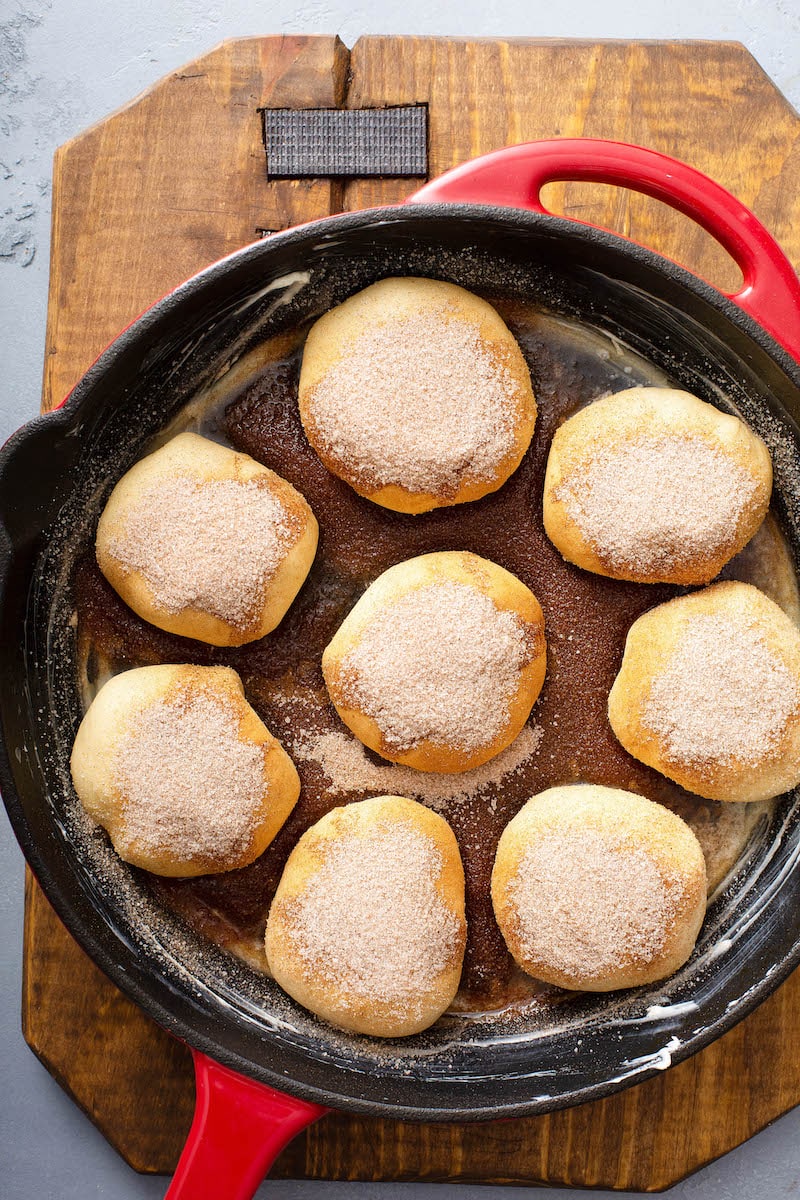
<point x="176" y="180"/>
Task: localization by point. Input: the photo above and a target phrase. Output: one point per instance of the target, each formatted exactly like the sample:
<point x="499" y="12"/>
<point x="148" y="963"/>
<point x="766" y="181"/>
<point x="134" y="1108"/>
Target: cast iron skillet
<point x="54" y="477"/>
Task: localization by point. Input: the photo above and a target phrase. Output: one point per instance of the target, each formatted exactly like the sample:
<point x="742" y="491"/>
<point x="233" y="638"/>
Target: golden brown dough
<point x="206" y="542"/>
<point x="179" y="769"/>
<point x="596" y="889"/>
<point x="654" y="485"/>
<point x="416" y="393"/>
<point x="439" y="663"/>
<point x="709" y="693"/>
<point x="367" y="926"/>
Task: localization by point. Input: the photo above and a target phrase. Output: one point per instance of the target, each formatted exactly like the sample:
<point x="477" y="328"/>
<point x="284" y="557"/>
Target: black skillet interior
<point x="54" y="477"/>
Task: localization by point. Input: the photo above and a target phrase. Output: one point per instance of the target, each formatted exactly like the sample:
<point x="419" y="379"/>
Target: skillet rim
<point x="49" y="428"/>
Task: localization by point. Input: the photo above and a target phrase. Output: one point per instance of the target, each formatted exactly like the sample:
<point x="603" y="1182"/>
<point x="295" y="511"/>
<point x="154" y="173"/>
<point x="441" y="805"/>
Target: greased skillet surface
<point x="464" y="1069"/>
<point x="568" y="738"/>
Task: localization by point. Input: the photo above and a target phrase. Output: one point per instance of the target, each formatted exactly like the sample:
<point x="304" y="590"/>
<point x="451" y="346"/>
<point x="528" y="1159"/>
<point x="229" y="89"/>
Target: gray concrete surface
<point x="65" y="64"/>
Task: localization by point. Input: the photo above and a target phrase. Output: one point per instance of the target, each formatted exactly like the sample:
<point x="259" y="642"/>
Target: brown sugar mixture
<point x="568" y="738"/>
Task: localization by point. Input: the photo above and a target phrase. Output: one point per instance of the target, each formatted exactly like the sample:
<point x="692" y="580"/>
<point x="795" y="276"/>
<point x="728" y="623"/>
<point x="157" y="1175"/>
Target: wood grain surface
<point x="176" y="180"/>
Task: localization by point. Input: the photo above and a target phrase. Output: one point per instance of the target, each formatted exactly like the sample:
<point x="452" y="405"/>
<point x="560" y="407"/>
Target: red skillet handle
<point x="514" y="177"/>
<point x="239" y="1129"/>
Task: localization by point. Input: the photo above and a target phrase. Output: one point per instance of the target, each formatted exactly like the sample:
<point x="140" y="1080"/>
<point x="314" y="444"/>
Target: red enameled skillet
<point x="264" y="1067"/>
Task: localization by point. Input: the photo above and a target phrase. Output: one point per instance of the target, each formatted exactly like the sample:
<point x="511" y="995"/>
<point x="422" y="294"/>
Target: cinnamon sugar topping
<point x="371" y="921"/>
<point x="586" y="907"/>
<point x="206" y="544"/>
<point x="190" y="787"/>
<point x="441" y="663"/>
<point x="420" y="403"/>
<point x="346" y="765"/>
<point x="724" y="695"/>
<point x="657" y="503"/>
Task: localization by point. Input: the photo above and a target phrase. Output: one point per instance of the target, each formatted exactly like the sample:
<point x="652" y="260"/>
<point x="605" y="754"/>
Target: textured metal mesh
<point x="335" y="142"/>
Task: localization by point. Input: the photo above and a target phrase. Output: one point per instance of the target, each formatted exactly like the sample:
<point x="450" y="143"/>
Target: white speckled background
<point x="64" y="65"/>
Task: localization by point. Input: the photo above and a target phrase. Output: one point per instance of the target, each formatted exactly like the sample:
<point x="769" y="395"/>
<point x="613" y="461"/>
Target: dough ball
<point x="179" y="769"/>
<point x="596" y="889"/>
<point x="205" y="542"/>
<point x="439" y="663"/>
<point x="367" y="926"/>
<point x="416" y="393"/>
<point x="709" y="693"/>
<point x="654" y="485"/>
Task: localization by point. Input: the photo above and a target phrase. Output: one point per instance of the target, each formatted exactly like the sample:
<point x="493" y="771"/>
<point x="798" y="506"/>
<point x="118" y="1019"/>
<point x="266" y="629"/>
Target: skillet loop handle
<point x="239" y="1128"/>
<point x="514" y="178"/>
